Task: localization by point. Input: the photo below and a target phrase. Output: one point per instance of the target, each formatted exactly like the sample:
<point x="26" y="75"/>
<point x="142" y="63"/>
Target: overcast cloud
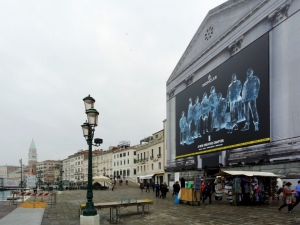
<point x="55" y="53"/>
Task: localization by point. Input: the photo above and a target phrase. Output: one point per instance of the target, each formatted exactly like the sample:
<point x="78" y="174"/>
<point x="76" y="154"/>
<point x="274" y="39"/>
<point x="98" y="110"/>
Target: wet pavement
<point x="164" y="211"/>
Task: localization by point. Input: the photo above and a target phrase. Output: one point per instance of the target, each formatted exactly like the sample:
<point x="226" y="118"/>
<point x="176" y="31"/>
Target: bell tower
<point x="32" y="155"/>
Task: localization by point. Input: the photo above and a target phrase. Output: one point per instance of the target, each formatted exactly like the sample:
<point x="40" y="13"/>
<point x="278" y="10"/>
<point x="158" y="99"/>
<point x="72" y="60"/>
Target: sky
<point x="55" y="53"/>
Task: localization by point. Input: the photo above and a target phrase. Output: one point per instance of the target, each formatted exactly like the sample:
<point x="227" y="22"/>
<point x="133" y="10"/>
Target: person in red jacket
<point x="202" y="186"/>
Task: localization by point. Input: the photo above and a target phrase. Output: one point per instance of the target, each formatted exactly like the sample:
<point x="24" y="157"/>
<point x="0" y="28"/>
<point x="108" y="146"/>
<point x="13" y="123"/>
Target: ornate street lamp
<point x="21" y="183"/>
<point x="60" y="187"/>
<point x="39" y="177"/>
<point x="88" y="129"/>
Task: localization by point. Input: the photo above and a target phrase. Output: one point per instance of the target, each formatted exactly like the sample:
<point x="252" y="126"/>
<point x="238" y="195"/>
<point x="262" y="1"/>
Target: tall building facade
<point x="232" y="99"/>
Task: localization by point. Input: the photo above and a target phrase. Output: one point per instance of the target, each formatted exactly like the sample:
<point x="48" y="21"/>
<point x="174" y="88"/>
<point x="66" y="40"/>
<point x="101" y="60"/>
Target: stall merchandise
<point x="218" y="188"/>
<point x="244" y="187"/>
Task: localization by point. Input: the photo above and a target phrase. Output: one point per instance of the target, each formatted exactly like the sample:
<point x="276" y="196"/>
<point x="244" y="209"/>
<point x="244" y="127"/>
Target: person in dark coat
<point x="208" y="192"/>
<point x="182" y="182"/>
<point x="157" y="190"/>
<point x="153" y="186"/>
<point x="162" y="191"/>
<point x="176" y="188"/>
<point x="147" y="187"/>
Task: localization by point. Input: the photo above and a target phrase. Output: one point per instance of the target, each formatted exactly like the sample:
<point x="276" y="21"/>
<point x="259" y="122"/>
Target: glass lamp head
<point x="92" y="115"/>
<point x="89" y="102"/>
<point x="85" y="129"/>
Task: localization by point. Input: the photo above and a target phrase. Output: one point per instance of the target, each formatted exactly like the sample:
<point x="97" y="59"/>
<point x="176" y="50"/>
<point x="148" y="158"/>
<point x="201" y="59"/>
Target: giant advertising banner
<point x="227" y="108"/>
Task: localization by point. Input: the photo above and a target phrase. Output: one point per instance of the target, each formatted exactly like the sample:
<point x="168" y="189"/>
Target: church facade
<point x="232" y="99"/>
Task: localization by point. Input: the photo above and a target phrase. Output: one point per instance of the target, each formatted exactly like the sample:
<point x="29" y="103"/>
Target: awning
<point x="159" y="174"/>
<point x="145" y="177"/>
<point x="247" y="173"/>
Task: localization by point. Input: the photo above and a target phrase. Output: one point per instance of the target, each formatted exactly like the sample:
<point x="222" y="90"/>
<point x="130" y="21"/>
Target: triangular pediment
<point x="218" y="23"/>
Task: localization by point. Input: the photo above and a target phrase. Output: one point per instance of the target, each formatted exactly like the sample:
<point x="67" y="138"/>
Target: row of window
<point x="140" y="156"/>
<point x="123" y="154"/>
<point x="140" y="168"/>
<point x="119" y="163"/>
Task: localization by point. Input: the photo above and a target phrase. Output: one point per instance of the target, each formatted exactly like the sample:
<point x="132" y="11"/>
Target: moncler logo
<point x="210" y="79"/>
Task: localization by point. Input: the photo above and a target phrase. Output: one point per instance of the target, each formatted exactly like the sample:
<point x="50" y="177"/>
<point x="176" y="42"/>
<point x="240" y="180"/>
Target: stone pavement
<point x="164" y="211"/>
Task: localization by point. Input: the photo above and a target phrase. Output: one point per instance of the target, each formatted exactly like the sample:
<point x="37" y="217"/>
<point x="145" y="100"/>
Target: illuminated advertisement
<point x="227" y="108"/>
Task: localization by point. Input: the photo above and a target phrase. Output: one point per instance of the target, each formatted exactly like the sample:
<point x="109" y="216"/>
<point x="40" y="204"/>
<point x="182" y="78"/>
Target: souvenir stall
<point x="246" y="187"/>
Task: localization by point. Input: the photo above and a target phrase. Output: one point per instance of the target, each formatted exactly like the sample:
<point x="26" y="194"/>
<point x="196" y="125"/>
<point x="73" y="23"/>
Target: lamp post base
<point x="89" y="220"/>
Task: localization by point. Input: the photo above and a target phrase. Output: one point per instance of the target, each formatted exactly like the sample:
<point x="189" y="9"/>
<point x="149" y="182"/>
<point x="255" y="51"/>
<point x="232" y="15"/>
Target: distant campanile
<point x="32" y="155"/>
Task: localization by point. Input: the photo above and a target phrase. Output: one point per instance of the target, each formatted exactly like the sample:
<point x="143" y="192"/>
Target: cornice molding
<point x="189" y="80"/>
<point x="280" y="13"/>
<point x="171" y="92"/>
<point x="235" y="46"/>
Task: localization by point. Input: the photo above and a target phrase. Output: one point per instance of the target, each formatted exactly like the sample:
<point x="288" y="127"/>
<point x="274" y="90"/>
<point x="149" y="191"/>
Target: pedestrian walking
<point x="287" y="197"/>
<point x="153" y="186"/>
<point x="162" y="191"/>
<point x="202" y="186"/>
<point x="148" y="187"/>
<point x="297" y="194"/>
<point x="157" y="190"/>
<point x="176" y="188"/>
<point x="126" y="182"/>
<point x="142" y="186"/>
<point x="207" y="191"/>
<point x="112" y="186"/>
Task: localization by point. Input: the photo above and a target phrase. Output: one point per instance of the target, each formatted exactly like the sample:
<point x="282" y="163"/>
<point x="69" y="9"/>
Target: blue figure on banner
<point x="249" y="96"/>
<point x="205" y="111"/>
<point x="190" y="117"/>
<point x="221" y="112"/>
<point x="183" y="125"/>
<point x="197" y="115"/>
<point x="213" y="100"/>
<point x="235" y="103"/>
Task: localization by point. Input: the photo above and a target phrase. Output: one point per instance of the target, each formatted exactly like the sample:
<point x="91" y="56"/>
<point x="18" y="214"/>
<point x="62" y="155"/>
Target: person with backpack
<point x="142" y="186"/>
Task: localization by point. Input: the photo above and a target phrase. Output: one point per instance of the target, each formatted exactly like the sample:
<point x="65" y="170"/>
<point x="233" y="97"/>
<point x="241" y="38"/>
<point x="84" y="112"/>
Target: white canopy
<point x="101" y="179"/>
<point x="247" y="173"/>
<point x="149" y="176"/>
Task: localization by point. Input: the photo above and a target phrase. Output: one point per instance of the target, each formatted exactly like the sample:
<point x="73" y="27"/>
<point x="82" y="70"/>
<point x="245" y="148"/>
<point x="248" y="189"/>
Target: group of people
<point x="114" y="182"/>
<point x="207" y="190"/>
<point x="159" y="189"/>
<point x="241" y="100"/>
<point x="287" y="197"/>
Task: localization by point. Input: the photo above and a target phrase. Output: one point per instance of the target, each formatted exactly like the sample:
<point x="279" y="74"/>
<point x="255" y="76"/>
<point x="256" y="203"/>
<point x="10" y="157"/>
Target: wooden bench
<point x="117" y="206"/>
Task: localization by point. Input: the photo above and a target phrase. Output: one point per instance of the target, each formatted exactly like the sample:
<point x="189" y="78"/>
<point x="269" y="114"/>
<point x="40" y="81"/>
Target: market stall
<point x="246" y="187"/>
<point x="190" y="192"/>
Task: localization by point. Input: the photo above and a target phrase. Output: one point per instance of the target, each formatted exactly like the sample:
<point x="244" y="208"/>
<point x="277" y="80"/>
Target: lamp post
<point x="88" y="129"/>
<point x="39" y="177"/>
<point x="60" y="187"/>
<point x="21" y="184"/>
